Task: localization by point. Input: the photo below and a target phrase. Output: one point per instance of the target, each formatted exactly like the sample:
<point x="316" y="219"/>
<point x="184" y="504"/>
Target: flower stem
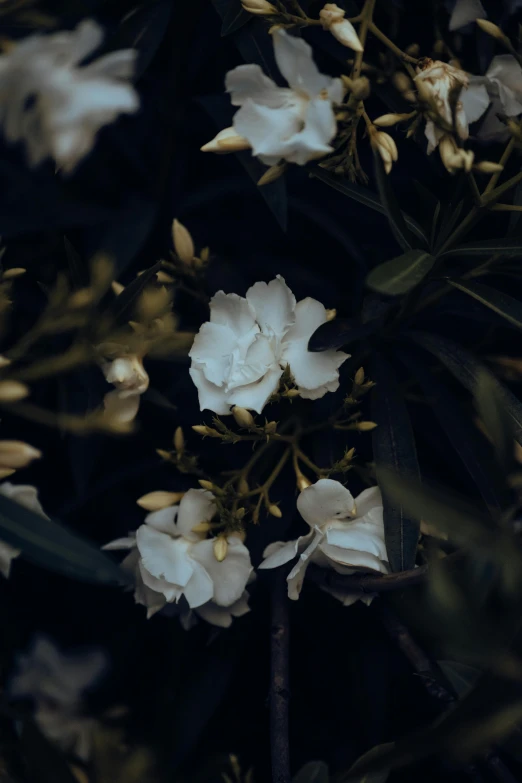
<point x="279" y="680"/>
<point x="406" y="58"/>
<point x="503" y="160"/>
<point x="366" y="18"/>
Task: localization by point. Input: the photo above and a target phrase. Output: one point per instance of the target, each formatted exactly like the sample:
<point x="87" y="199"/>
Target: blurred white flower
<point x="26" y="496"/>
<point x="438" y="83"/>
<point x="503" y="82"/>
<point x="56" y="105"/>
<point x="295" y="123"/>
<point x="56" y="682"/>
<point x="239" y="355"/>
<point x="332" y="18"/>
<point x="170" y="560"/>
<point x="346" y="535"/>
<point x="465" y="12"/>
<point x="130" y="379"/>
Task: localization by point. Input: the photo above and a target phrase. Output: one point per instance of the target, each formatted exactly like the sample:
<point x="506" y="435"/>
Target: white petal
<point x="253" y="366"/>
<point x="115" y="65"/>
<point x="7" y="553"/>
<point x="475" y="100"/>
<point x="324" y="501"/>
<point x="249" y="81"/>
<point x="296" y="578"/>
<point x="465" y="12"/>
<point x="278" y="553"/>
<point x="164" y="557"/>
<point x="24" y="494"/>
<point x="215" y="615"/>
<point x="295" y="61"/>
<point x="434" y="134"/>
<point x="121" y="406"/>
<point x="240" y="607"/>
<point x="346" y="598"/>
<point x="212" y="350"/>
<point x="354" y="558"/>
<point x="274" y="305"/>
<point x="311" y="371"/>
<point x="229" y="576"/>
<point x="506" y="73"/>
<point x="171" y="592"/>
<point x="200" y="587"/>
<point x="211" y="397"/>
<point x="367" y="500"/>
<point x="492" y="129"/>
<point x="121" y="543"/>
<point x="232" y="311"/>
<point x="86" y="38"/>
<point x="270" y="132"/>
<point x="256" y="395"/>
<point x="197" y="505"/>
<point x="164" y="520"/>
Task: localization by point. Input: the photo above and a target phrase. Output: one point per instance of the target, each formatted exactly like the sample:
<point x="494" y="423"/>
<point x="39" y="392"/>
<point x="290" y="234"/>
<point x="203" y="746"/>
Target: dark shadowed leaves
<point x="391" y="205"/>
<point x="312" y="772"/>
<point x="53" y="546"/>
<point x="43" y="761"/>
<point x="234" y="18"/>
<point x="143" y="29"/>
<point x="506" y="246"/>
<point x="339" y="332"/>
<point x="356" y="773"/>
<point x="401" y="274"/>
<point x="121" y="307"/>
<point x="394" y="452"/>
<point x="495" y="417"/>
<point x="500" y="303"/>
<point x="460" y="676"/>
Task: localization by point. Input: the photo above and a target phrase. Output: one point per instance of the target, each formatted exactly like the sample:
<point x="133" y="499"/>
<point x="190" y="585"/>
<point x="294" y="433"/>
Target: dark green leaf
<point x="143" y="29"/>
<point x="461" y="677"/>
<point x="364" y="196"/>
<point x="496" y="419"/>
<point x="121" y="307"/>
<point x="252" y="41"/>
<point x="77" y="269"/>
<point x="356" y="772"/>
<point x="52" y="546"/>
<point x="235" y="18"/>
<point x="401" y="274"/>
<point x="394" y="450"/>
<point x="500" y="303"/>
<point x="339" y="332"/>
<point x="466" y="368"/>
<point x="506" y="246"/>
<point x="312" y="772"/>
<point x="391" y="205"/>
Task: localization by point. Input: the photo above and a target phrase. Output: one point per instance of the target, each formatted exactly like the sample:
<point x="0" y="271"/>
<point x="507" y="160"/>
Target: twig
<point x="279" y="684"/>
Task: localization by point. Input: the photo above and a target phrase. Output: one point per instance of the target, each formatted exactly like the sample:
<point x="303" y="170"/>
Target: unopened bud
<point x="386" y="147"/>
<point x="361" y="88"/>
<point x="271" y="174"/>
<point x="220" y="548"/>
<point x="488" y="167"/>
<point x="6" y="472"/>
<point x="349" y="455"/>
<point x="454" y="158"/>
<point x="183" y="244"/>
<point x="359" y="376"/>
<point x="243" y="487"/>
<point x="275" y="511"/>
<point x="81" y="298"/>
<point x="205" y="431"/>
<point x="243" y="418"/>
<point x="291" y="393"/>
<point x="166" y="455"/>
<point x="205" y="254"/>
<point x="366" y="426"/>
<point x="270" y="427"/>
<point x="491" y="29"/>
<point x="163" y="277"/>
<point x="402" y="82"/>
<point x="202" y="527"/>
<point x="154" y="501"/>
<point x="387" y="120"/>
<point x="331" y="314"/>
<point x="302" y="482"/>
<point x="413" y="50"/>
<point x="13" y="391"/>
<point x="258" y="7"/>
<point x="226" y="140"/>
<point x="14" y="454"/>
<point x="16" y="271"/>
<point x="179" y="440"/>
<point x="4" y="361"/>
<point x="332" y="19"/>
<point x="206" y="485"/>
<point x="240" y="513"/>
<point x="117" y="287"/>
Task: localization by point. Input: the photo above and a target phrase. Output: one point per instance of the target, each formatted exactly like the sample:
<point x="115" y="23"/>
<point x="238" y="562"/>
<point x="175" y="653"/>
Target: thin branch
<point x="279" y="680"/>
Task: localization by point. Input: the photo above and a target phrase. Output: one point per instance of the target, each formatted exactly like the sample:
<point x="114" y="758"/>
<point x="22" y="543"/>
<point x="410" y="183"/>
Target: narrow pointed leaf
<point x="401" y="274"/>
<point x="312" y="772"/>
<point x="235" y="18"/>
<point x="377" y="776"/>
<point x="506" y="246"/>
<point x="394" y="450"/>
<point x="495" y="417"/>
<point x="339" y="332"/>
<point x="461" y="676"/>
<point x="391" y="205"/>
<point x="121" y="307"/>
<point x="500" y="303"/>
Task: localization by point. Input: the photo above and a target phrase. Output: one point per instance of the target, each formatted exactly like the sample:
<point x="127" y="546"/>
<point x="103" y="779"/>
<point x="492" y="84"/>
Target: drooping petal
<point x="211" y="397"/>
<point x="355" y="536"/>
<point x="324" y="501"/>
<point x="280" y="552"/>
<point x="121" y="543"/>
<point x="319" y="129"/>
<point x="120" y="406"/>
<point x="274" y="305"/>
<point x="163" y="556"/>
<point x="367" y="500"/>
<point x="171" y="592"/>
<point x="465" y="12"/>
<point x="434" y="134"/>
<point x="212" y="351"/>
<point x="164" y="520"/>
<point x="312" y="372"/>
<point x="220" y="616"/>
<point x="249" y="82"/>
<point x="200" y="587"/>
<point x="347" y="598"/>
<point x="229" y="576"/>
<point x="232" y="311"/>
<point x="270" y="132"/>
<point x="475" y="100"/>
<point x="491" y="128"/>
<point x="296" y="578"/>
<point x="294" y="59"/>
<point x="506" y="73"/>
<point x="256" y="395"/>
<point x="364" y="561"/>
<point x="197" y="505"/>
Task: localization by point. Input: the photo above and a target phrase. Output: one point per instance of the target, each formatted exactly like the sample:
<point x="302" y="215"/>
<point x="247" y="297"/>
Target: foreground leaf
<point x="234" y="18"/>
<point x="401" y="274"/>
<point x="340" y="332"/>
<point x="506" y="246"/>
<point x="52" y="546"/>
<point x="394" y="451"/>
<point x="378" y="776"/>
<point x="495" y="417"/>
<point x="312" y="772"/>
<point x="500" y="303"/>
<point x="391" y="205"/>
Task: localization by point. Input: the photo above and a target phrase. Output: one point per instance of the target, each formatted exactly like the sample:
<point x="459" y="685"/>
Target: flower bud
<point x="6" y="472"/>
<point x="454" y="158"/>
<point x="332" y="18"/>
<point x="243" y="417"/>
<point x="491" y="29"/>
<point x="359" y="376"/>
<point x="386" y="147"/>
<point x="291" y="393"/>
<point x="13" y="391"/>
<point x="270" y="427"/>
<point x="16" y="271"/>
<point x="271" y="174"/>
<point x="154" y="501"/>
<point x="258" y="7"/>
<point x="220" y="548"/>
<point x="331" y="314"/>
<point x="117" y="287"/>
<point x="206" y="485"/>
<point x="183" y="244"/>
<point x="275" y="511"/>
<point x="240" y="513"/>
<point x="202" y="527"/>
<point x="226" y="140"/>
<point x="243" y="487"/>
<point x="179" y="440"/>
<point x="488" y="167"/>
<point x="166" y="455"/>
<point x="163" y="277"/>
<point x="302" y="482"/>
<point x="81" y="298"/>
<point x="14" y="454"/>
<point x="4" y="362"/>
<point x="387" y="120"/>
<point x="205" y="431"/>
<point x="366" y="426"/>
<point x="361" y="88"/>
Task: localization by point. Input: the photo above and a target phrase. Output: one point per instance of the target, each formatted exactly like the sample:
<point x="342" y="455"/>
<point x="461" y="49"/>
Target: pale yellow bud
<point x="387" y="120"/>
<point x="240" y="513"/>
<point x="13" y="391"/>
<point x="454" y="158"/>
<point x="4" y="362"/>
<point x="183" y="244"/>
<point x="361" y="88"/>
<point x="331" y="314"/>
<point x="242" y="486"/>
<point x="163" y="277"/>
<point x="291" y="393"/>
<point x="179" y="440"/>
<point x="206" y="485"/>
<point x="488" y="167"/>
<point x="366" y="426"/>
<point x="386" y="147"/>
<point x="205" y="254"/>
<point x="6" y="472"/>
<point x="14" y="454"/>
<point x="164" y="454"/>
<point x="491" y="29"/>
<point x="275" y="511"/>
<point x="16" y="271"/>
<point x="220" y="548"/>
<point x="302" y="482"/>
<point x="359" y="376"/>
<point x="205" y="431"/>
<point x="402" y="82"/>
<point x="81" y="298"/>
<point x="202" y="527"/>
<point x="270" y="427"/>
<point x="154" y="501"/>
<point x="332" y="18"/>
<point x="271" y="174"/>
<point x="226" y="140"/>
<point x="117" y="287"/>
<point x="243" y="418"/>
<point x="258" y="7"/>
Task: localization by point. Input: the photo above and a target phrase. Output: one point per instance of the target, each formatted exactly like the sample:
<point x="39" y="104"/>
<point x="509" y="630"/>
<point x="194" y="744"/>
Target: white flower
<point x="332" y="18"/>
<point x="295" y="123"/>
<point x="503" y="82"/>
<point x="467" y="11"/>
<point x="436" y="83"/>
<point x="26" y="496"/>
<point x="346" y="535"/>
<point x="56" y="682"/>
<point x="239" y="355"/>
<point x="130" y="378"/>
<point x="54" y="104"/>
<point x="170" y="560"/>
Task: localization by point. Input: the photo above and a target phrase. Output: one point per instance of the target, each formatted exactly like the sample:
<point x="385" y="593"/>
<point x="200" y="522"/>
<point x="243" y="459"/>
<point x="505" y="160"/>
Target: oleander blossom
<point x="56" y="105"/>
<point x="130" y="379"/>
<point x="171" y="561"/>
<point x="27" y="496"/>
<point x="346" y="535"/>
<point x="438" y="83"/>
<point x="238" y="357"/>
<point x="294" y="123"/>
<point x="503" y="82"/>
<point x="465" y="12"/>
<point x="56" y="683"/>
